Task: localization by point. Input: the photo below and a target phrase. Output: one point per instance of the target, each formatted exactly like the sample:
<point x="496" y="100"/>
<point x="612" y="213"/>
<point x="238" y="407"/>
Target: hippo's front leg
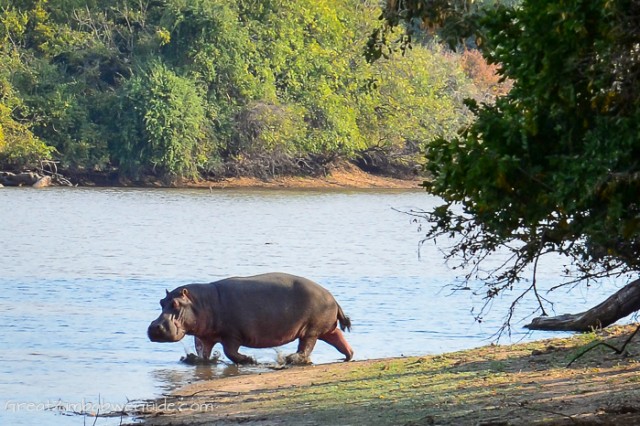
<point x="203" y="349"/>
<point x="230" y="348"/>
<point x="301" y="357"/>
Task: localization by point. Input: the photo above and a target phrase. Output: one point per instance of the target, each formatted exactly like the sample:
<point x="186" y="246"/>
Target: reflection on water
<point x="82" y="272"/>
<point x="170" y="379"/>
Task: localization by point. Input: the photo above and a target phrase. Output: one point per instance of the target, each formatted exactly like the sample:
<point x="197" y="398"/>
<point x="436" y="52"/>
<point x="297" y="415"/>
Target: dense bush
<point x="161" y="125"/>
<point x="19" y="147"/>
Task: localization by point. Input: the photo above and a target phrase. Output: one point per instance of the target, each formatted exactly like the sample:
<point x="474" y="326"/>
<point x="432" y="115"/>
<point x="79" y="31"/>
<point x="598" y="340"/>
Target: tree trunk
<point x="620" y="304"/>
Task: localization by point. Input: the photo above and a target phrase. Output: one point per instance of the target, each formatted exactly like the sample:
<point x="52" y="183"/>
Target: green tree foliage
<point x="163" y="129"/>
<point x="19" y="147"/>
<point x="314" y="65"/>
<point x="422" y="102"/>
<point x="213" y="87"/>
<point x="209" y="38"/>
<point x="454" y="22"/>
<point x="552" y="167"/>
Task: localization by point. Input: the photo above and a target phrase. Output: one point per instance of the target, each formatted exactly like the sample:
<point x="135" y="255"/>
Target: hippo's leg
<point x="203" y="349"/>
<point x="336" y="339"/>
<point x="230" y="348"/>
<point x="305" y="346"/>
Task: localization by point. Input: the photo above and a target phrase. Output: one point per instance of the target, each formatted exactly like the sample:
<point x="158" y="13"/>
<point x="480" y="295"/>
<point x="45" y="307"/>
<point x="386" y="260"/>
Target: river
<point x="82" y="271"/>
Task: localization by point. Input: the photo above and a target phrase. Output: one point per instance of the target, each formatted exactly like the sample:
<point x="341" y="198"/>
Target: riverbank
<point x="343" y="176"/>
<point x="518" y="384"/>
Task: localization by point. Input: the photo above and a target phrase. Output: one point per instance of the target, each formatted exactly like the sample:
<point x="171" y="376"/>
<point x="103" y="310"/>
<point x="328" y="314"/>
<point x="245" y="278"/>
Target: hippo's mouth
<point x="166" y="330"/>
<point x="161" y="338"/>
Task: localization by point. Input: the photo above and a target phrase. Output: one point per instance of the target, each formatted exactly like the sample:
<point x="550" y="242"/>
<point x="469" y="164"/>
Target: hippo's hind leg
<point x="336" y="339"/>
<point x="231" y="351"/>
<point x="305" y="346"/>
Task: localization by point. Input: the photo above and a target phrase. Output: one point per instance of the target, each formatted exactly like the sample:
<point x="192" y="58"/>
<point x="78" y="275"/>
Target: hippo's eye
<point x="162" y="303"/>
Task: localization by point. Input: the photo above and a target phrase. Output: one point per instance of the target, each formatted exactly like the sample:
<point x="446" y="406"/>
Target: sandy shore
<point x="518" y="384"/>
<point x="339" y="178"/>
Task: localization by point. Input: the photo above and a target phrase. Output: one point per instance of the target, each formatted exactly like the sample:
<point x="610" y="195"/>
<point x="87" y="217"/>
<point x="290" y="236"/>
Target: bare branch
<point x="601" y="343"/>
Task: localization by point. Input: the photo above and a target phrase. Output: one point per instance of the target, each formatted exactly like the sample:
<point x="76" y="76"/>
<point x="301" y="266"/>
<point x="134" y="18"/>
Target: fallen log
<point x="38" y="179"/>
<point x="19" y="179"/>
<point x="620" y="304"/>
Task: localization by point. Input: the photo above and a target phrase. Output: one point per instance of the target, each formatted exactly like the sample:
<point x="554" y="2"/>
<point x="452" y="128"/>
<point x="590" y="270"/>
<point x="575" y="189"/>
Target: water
<point x="82" y="270"/>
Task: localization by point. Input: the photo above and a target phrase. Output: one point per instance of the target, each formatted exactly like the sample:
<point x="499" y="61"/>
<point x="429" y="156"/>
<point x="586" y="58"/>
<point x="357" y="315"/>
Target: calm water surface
<point x="82" y="270"/>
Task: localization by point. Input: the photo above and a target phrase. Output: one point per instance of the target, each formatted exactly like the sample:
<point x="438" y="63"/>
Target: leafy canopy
<point x="164" y="126"/>
<point x="553" y="166"/>
<point x="205" y="87"/>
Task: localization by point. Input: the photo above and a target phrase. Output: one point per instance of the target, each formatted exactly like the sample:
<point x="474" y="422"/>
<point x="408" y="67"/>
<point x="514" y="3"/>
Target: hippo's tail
<point x="345" y="322"/>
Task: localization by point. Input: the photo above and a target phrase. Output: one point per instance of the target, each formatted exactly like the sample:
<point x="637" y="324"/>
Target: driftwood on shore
<point x="19" y="179"/>
<point x="43" y="176"/>
<point x="622" y="303"/>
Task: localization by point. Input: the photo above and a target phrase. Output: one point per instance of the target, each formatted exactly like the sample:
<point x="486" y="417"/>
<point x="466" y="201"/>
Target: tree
<point x="551" y="167"/>
<point x="162" y="125"/>
<point x="19" y="147"/>
<point x="417" y="99"/>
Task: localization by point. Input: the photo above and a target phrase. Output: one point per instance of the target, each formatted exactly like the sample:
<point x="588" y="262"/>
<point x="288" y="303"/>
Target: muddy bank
<point x="343" y="177"/>
<point x="520" y="384"/>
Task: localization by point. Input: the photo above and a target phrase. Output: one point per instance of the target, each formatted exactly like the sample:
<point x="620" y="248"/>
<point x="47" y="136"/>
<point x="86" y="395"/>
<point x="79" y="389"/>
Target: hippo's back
<point x="272" y="287"/>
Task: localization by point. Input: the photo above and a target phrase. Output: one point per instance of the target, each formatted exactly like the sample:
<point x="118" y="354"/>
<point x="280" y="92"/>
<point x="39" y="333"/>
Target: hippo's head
<point x="177" y="318"/>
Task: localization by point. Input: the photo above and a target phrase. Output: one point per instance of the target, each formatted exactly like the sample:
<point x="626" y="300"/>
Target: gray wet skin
<point x="261" y="311"/>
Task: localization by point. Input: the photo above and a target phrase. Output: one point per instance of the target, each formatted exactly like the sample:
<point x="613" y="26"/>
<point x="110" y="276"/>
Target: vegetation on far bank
<point x="210" y="89"/>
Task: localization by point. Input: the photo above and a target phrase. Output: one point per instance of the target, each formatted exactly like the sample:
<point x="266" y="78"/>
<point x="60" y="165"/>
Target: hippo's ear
<point x="167" y="291"/>
<point x="185" y="293"/>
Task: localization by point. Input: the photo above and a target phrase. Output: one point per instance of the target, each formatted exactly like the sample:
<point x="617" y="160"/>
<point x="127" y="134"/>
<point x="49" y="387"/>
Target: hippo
<point x="261" y="311"/>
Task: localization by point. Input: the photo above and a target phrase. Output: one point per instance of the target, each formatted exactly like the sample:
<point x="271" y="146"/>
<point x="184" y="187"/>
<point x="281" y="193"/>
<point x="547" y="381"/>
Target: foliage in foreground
<point x="552" y="167"/>
<point x="179" y="89"/>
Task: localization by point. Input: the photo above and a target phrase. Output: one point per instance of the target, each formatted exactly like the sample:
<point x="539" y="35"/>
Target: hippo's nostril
<point x="154" y="330"/>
